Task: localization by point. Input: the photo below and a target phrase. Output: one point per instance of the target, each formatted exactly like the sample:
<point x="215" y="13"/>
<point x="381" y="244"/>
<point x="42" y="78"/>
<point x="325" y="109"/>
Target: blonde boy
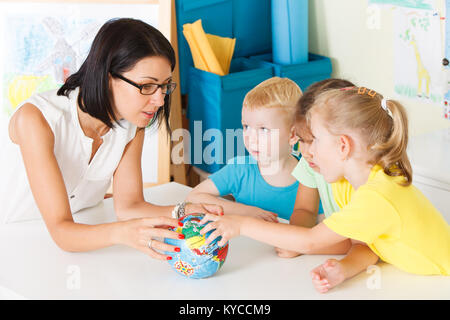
<point x="261" y="183"/>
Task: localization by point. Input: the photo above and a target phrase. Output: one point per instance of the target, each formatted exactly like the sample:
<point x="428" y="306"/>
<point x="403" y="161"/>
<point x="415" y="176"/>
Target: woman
<point x="72" y="141"/>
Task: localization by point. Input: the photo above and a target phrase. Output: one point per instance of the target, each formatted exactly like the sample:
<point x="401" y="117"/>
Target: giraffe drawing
<point x="422" y="73"/>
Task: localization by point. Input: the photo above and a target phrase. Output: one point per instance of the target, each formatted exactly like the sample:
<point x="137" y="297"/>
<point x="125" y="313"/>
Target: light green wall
<point x="338" y="29"/>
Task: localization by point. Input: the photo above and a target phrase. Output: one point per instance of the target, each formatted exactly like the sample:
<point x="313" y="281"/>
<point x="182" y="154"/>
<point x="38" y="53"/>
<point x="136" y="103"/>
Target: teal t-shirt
<point x="311" y="179"/>
<point x="242" y="179"/>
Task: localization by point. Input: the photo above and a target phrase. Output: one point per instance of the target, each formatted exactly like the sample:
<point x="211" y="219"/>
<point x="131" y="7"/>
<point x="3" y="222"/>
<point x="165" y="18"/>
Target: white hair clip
<point x="386" y="108"/>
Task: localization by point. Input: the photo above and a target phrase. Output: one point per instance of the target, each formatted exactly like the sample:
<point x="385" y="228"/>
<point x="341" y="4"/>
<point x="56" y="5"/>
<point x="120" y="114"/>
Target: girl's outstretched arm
<point x="290" y="237"/>
<point x="207" y="192"/>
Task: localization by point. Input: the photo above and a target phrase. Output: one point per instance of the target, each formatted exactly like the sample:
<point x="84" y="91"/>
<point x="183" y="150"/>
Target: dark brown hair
<point x="307" y="100"/>
<point x="117" y="47"/>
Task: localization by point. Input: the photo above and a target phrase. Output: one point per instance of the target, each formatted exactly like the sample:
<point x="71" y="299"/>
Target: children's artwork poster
<point x="41" y="44"/>
<point x="447" y="33"/>
<point x="446" y="102"/>
<point x="418" y="55"/>
<point x="415" y="4"/>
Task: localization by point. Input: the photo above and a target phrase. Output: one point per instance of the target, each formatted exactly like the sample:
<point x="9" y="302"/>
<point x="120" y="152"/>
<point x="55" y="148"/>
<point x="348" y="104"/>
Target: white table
<point x="32" y="266"/>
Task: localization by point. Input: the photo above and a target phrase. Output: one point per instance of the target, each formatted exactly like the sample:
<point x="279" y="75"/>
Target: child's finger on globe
<point x="222" y="242"/>
<point x="209" y="217"/>
<point x="207" y="228"/>
<point x="213" y="236"/>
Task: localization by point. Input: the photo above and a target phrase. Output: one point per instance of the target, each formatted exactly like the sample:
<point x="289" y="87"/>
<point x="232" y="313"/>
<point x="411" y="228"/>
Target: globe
<point x="195" y="259"/>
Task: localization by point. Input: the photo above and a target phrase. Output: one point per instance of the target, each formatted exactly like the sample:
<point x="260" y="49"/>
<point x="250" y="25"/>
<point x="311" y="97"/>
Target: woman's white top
<point x="86" y="183"/>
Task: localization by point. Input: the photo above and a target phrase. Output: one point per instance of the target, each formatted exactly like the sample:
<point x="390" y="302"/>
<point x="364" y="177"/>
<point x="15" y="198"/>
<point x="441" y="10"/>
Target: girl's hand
<point x="225" y="226"/>
<point x="204" y="208"/>
<point x="328" y="275"/>
<point x="140" y="233"/>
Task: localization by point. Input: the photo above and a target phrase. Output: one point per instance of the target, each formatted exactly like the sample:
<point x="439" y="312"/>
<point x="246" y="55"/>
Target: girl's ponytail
<point x="392" y="153"/>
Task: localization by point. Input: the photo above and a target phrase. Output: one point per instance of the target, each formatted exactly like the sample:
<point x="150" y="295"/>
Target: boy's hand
<point x="265" y="215"/>
<point x="192" y="208"/>
<point x="225" y="226"/>
<point x="283" y="253"/>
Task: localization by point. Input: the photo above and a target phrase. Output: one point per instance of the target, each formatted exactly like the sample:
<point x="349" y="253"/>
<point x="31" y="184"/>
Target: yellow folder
<point x="210" y="52"/>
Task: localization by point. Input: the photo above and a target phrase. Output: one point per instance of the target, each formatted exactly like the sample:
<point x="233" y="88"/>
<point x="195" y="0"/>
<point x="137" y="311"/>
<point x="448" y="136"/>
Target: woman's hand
<point x="140" y="233"/>
<point x="225" y="226"/>
<point x="192" y="208"/>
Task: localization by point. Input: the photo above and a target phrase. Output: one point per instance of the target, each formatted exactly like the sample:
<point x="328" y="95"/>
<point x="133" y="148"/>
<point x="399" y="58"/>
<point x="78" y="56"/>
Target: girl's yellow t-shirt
<point x="398" y="223"/>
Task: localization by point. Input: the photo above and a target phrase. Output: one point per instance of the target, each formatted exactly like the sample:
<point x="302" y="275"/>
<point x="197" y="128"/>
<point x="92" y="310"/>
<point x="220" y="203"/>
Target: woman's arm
<point x="128" y="197"/>
<point x="207" y="192"/>
<point x="48" y="188"/>
<point x="290" y="237"/>
<point x="128" y="188"/>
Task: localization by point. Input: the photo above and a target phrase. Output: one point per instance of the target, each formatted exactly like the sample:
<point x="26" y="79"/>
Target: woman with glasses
<point x="66" y="145"/>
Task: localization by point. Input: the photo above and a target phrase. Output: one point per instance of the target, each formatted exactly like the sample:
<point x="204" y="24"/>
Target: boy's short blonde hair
<point x="275" y="92"/>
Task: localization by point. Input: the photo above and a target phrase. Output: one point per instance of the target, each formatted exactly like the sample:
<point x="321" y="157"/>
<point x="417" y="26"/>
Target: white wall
<point x="338" y="29"/>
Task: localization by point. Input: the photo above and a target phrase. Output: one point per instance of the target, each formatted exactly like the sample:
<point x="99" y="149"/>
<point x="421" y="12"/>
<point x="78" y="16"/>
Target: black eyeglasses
<point x="149" y="88"/>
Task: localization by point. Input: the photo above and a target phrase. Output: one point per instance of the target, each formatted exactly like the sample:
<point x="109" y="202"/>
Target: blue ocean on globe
<point x="195" y="259"/>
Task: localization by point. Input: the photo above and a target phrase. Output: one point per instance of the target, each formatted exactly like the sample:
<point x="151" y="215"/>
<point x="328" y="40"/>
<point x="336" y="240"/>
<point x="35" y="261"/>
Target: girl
<point x="362" y="137"/>
<point x="359" y="256"/>
<point x="312" y="184"/>
<point x="65" y="146"/>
